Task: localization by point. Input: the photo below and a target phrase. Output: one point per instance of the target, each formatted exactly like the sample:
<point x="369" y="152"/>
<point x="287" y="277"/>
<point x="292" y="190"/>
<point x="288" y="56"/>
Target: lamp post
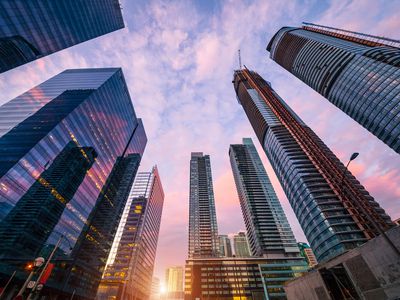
<point x="35" y="287"/>
<point x="38" y="262"/>
<point x="374" y="224"/>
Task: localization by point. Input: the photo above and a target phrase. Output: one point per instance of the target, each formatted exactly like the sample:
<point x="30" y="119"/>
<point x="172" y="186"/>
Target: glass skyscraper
<point x="240" y="245"/>
<point x="358" y="73"/>
<point x="69" y="151"/>
<point x="203" y="230"/>
<point x="333" y="208"/>
<point x="129" y="270"/>
<point x="268" y="230"/>
<point x="225" y="247"/>
<point x="33" y="29"/>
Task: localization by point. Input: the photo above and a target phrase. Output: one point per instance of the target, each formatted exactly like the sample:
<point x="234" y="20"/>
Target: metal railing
<point x="357" y="37"/>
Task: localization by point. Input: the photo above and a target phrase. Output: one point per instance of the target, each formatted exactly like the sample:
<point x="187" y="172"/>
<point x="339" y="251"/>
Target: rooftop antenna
<point x="240" y="60"/>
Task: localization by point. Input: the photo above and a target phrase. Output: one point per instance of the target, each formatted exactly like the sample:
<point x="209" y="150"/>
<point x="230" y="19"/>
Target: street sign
<point x="39" y="287"/>
<point x="31" y="284"/>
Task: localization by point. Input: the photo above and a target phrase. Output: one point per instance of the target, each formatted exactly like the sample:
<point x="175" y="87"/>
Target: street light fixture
<point x="374" y="224"/>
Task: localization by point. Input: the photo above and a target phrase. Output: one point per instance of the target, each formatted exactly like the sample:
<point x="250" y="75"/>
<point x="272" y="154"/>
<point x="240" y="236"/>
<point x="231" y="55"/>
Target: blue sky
<point x="178" y="59"/>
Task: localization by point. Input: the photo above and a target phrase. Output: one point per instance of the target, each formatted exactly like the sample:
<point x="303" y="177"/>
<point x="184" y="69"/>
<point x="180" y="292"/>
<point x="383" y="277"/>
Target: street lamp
<point x="35" y="287"/>
<point x="352" y="157"/>
<point x="38" y="262"/>
<point x="374" y="224"/>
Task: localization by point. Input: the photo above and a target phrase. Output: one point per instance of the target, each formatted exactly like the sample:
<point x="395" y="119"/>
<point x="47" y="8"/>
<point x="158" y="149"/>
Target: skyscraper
<point x="268" y="230"/>
<point x="333" y="208"/>
<point x="203" y="230"/>
<point x="174" y="282"/>
<point x="225" y="247"/>
<point x="33" y="29"/>
<point x="356" y="72"/>
<point x="69" y="149"/>
<point x="129" y="271"/>
<point x="240" y="245"/>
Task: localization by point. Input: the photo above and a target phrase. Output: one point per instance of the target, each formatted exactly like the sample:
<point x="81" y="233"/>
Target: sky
<point x="178" y="58"/>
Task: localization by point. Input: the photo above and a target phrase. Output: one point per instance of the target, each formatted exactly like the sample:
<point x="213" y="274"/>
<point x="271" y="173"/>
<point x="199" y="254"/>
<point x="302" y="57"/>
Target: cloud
<point x="178" y="62"/>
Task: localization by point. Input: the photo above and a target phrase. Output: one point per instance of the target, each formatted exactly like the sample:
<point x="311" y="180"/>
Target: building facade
<point x="203" y="230"/>
<point x="366" y="272"/>
<point x="225" y="246"/>
<point x="252" y="278"/>
<point x="33" y="29"/>
<point x="308" y="254"/>
<point x="358" y="73"/>
<point x="268" y="231"/>
<point x="333" y="208"/>
<point x="174" y="282"/>
<point x="129" y="271"/>
<point x="65" y="147"/>
<point x="155" y="289"/>
<point x="240" y="245"/>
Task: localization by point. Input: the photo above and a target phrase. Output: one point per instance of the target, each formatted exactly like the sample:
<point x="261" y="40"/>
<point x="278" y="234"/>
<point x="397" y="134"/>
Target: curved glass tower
<point x="332" y="207"/>
<point x="358" y="73"/>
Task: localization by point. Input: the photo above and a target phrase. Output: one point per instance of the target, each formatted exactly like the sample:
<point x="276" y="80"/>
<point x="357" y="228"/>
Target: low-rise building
<point x="370" y="271"/>
<point x="252" y="278"/>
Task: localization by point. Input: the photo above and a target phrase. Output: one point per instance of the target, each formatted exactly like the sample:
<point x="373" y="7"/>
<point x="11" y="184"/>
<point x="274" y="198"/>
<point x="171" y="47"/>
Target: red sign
<point x="46" y="273"/>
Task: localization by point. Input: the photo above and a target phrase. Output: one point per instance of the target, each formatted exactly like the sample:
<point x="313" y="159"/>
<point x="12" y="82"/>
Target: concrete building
<point x="370" y="272"/>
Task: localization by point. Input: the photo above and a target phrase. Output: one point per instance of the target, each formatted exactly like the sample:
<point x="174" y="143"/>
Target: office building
<point x="155" y="289"/>
<point x="225" y="247"/>
<point x="240" y="245"/>
<point x="203" y="230"/>
<point x="33" y="29"/>
<point x="333" y="208"/>
<point x="174" y="282"/>
<point x="356" y="72"/>
<point x="69" y="150"/>
<point x="129" y="271"/>
<point x="251" y="278"/>
<point x="268" y="231"/>
<point x="308" y="254"/>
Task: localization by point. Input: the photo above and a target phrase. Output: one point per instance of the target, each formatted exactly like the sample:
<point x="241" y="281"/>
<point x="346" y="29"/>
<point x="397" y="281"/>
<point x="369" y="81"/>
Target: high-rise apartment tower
<point x="333" y="208"/>
<point x="356" y="72"/>
<point x="203" y="231"/>
<point x="268" y="230"/>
